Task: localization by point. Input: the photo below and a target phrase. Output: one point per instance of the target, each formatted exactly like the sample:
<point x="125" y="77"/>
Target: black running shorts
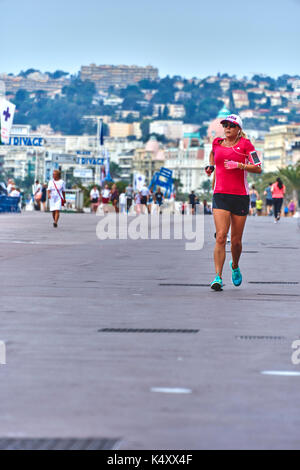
<point x="238" y="205"/>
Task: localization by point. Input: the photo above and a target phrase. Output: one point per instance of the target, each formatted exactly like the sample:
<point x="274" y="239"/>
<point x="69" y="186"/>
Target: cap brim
<point x="229" y="120"/>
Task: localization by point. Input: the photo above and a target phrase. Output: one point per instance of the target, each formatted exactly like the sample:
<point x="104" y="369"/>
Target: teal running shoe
<point x="217" y="284"/>
<point x="237" y="277"/>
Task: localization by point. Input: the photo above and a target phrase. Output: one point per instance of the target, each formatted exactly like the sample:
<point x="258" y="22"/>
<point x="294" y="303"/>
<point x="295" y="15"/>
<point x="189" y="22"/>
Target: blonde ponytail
<point x="243" y="134"/>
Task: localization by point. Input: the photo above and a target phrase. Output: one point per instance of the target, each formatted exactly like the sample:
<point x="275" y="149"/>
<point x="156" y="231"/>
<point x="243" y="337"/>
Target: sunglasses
<point x="231" y="125"/>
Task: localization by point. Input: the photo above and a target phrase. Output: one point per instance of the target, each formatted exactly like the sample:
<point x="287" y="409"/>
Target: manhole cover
<point x="58" y="444"/>
<point x="252" y="337"/>
<point x="145" y="330"/>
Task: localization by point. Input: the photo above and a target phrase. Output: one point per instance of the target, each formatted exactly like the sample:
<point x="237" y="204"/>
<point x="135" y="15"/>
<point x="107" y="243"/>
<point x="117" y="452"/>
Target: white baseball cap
<point x="235" y="119"/>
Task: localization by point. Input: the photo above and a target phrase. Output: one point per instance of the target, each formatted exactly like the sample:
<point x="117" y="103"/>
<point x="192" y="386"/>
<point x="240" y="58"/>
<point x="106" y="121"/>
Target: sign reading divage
<point x="7" y="111"/>
<point x="17" y="141"/>
<point x="91" y="161"/>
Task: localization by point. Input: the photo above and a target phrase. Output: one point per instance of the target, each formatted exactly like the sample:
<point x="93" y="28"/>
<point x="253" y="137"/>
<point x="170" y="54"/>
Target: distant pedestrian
<point x="44" y="197"/>
<point x="144" y="198"/>
<point x="192" y="201"/>
<point x="56" y="196"/>
<point x="183" y="208"/>
<point x="278" y="192"/>
<point x="292" y="208"/>
<point x="150" y="202"/>
<point x="10" y="184"/>
<point x="253" y="194"/>
<point x="115" y="197"/>
<point x="137" y="200"/>
<point x="14" y="192"/>
<point x="37" y="195"/>
<point x="172" y="202"/>
<point x="94" y="198"/>
<point x="286" y="211"/>
<point x="122" y="203"/>
<point x="159" y="199"/>
<point x="105" y="198"/>
<point x="129" y="196"/>
<point x="269" y="199"/>
<point x="206" y="208"/>
<point x="259" y="206"/>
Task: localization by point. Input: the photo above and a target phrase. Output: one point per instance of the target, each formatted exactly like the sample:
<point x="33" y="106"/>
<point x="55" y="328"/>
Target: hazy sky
<point x="186" y="37"/>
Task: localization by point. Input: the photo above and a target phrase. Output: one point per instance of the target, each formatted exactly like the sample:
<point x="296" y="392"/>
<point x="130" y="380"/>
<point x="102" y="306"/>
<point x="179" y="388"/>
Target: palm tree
<point x="292" y="175"/>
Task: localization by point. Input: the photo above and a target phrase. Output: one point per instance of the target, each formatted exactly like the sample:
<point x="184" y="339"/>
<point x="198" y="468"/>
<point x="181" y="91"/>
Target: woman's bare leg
<point x="237" y="229"/>
<point x="222" y="223"/>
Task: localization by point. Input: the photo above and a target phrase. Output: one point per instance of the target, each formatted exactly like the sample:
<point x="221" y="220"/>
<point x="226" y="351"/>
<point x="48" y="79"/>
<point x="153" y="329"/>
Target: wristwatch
<point x="211" y="167"/>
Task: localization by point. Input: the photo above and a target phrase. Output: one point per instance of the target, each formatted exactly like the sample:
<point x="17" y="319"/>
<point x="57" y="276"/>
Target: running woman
<point x="278" y="192"/>
<point x="56" y="196"/>
<point x="230" y="158"/>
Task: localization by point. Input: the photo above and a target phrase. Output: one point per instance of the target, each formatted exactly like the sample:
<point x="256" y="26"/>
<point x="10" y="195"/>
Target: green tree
<point x="115" y="170"/>
<point x="145" y="128"/>
<point x="291" y="174"/>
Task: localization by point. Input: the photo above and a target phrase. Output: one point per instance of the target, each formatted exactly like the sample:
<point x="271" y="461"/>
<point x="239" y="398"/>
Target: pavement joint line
<point x="284" y="247"/>
<point x="186" y="285"/>
<point x="268" y="300"/>
<point x="279" y="295"/>
<point x="148" y="330"/>
<point x="283" y="373"/>
<point x="260" y="337"/>
<point x="184" y="391"/>
<point x="274" y="282"/>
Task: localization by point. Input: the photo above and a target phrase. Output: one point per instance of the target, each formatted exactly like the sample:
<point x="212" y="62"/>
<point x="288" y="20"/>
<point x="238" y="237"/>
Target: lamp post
<point x="97" y="149"/>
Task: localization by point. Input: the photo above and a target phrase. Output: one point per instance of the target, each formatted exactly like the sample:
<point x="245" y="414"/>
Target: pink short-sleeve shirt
<point x="231" y="181"/>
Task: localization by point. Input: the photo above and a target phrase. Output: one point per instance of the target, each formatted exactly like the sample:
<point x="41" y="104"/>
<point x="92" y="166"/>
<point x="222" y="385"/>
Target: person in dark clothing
<point x="192" y="201"/>
<point x="115" y="197"/>
<point x="159" y="199"/>
<point x="44" y="198"/>
<point x="207" y="210"/>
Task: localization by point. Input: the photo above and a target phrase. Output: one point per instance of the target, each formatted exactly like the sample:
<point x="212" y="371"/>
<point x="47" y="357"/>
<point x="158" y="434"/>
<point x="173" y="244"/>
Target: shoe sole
<point x="217" y="287"/>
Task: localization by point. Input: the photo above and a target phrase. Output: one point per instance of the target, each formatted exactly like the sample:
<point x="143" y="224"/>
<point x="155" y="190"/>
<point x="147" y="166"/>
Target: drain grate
<point x="274" y="282"/>
<point x="145" y="330"/>
<point x="269" y="338"/>
<point x="58" y="444"/>
<point x="186" y="285"/>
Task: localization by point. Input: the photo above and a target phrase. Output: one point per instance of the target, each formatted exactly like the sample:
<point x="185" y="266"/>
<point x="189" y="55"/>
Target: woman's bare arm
<point x="250" y="168"/>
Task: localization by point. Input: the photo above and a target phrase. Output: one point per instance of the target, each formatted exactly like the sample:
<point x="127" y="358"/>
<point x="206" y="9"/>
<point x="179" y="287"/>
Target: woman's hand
<point x="231" y="165"/>
<point x="209" y="169"/>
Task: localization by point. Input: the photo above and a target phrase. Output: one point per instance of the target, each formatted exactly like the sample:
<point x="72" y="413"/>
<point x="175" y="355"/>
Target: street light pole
<point x="97" y="146"/>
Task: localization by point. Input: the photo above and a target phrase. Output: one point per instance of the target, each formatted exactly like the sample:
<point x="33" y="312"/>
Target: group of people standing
<point x="10" y="189"/>
<point x="274" y="193"/>
<point x="111" y="199"/>
<point x="39" y="194"/>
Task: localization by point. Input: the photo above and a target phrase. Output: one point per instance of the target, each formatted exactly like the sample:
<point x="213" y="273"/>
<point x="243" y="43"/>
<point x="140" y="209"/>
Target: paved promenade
<point x="66" y="379"/>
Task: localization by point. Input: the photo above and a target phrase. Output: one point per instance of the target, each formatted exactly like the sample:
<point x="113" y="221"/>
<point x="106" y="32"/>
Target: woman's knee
<point x="221" y="238"/>
<point x="236" y="242"/>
